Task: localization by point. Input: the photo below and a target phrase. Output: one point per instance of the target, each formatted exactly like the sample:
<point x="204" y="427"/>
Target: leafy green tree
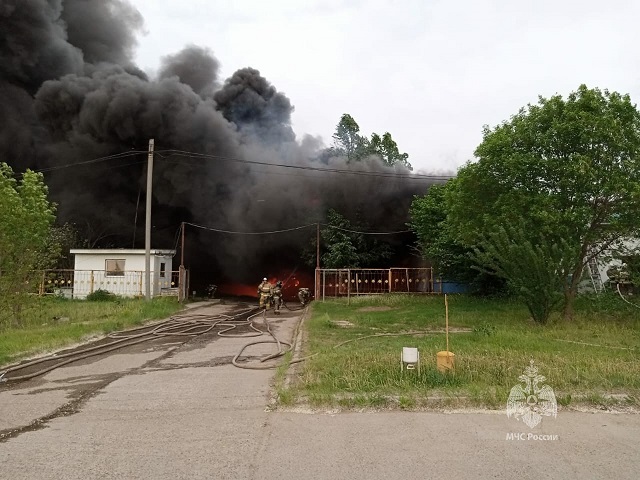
<point x="343" y="246"/>
<point x="62" y="238"/>
<point x="428" y="216"/>
<point x="437" y="242"/>
<point x="348" y="142"/>
<point x="347" y="139"/>
<point x="387" y="149"/>
<point x="535" y="272"/>
<point x="26" y="217"/>
<point x="566" y="170"/>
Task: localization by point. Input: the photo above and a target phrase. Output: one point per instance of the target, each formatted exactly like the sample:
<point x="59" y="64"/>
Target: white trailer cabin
<point x="122" y="271"/>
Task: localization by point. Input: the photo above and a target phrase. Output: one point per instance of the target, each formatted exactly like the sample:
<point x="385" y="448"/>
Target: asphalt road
<point x="180" y="411"/>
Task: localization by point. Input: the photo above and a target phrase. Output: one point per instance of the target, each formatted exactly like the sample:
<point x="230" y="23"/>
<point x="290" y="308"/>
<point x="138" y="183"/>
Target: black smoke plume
<point x="70" y="92"/>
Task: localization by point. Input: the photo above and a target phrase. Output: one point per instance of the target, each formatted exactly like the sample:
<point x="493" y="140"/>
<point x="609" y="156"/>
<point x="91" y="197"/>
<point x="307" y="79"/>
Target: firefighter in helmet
<point x="276" y="297"/>
<point x="264" y="293"/>
<point x="304" y="295"/>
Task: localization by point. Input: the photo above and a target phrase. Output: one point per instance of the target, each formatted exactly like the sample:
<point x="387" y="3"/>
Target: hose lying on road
<point x="188" y="325"/>
<point x="301" y="307"/>
<point x="281" y="351"/>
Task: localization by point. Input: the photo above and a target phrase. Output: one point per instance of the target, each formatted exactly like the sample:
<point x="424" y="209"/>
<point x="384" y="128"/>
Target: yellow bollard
<point x="445" y="361"/>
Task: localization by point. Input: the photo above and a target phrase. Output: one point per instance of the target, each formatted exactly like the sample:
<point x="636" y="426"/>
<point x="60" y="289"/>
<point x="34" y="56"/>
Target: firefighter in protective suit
<point x="264" y="293"/>
<point x="276" y="297"/>
<point x="304" y="295"/>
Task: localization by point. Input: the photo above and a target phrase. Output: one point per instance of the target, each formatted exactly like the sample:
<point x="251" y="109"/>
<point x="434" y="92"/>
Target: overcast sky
<point x="432" y="73"/>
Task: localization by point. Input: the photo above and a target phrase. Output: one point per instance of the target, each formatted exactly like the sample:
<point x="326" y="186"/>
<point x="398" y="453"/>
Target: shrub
<point x="101" y="296"/>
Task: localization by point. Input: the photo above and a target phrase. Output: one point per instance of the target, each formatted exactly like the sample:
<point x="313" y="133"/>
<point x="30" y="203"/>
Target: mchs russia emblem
<point x="529" y="401"/>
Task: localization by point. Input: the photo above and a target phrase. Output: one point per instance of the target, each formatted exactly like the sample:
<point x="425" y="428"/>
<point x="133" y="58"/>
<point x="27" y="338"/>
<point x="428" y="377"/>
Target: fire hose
<point x="281" y="351"/>
<point x="188" y="325"/>
<point x="624" y="299"/>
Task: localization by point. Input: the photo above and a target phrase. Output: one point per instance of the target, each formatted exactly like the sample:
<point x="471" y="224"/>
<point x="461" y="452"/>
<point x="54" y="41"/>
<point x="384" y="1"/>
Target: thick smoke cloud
<point x="33" y="43"/>
<point x="70" y="93"/>
<point x="194" y="66"/>
<point x="251" y="103"/>
<point x="104" y="30"/>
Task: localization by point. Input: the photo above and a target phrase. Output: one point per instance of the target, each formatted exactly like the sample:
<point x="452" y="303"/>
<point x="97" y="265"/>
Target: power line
<point x="365" y="233"/>
<point x="292" y="229"/>
<point x="411" y="176"/>
<point x="250" y="233"/>
<point x="167" y="154"/>
<point x="94" y="160"/>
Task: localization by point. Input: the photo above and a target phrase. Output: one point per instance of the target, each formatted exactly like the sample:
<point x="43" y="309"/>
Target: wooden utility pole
<point x="317" y="289"/>
<point x="182" y="247"/>
<point x="147" y="228"/>
<point x="318" y="246"/>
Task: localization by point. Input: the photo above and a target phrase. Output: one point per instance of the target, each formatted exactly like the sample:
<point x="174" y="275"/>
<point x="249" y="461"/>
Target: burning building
<point x="75" y="106"/>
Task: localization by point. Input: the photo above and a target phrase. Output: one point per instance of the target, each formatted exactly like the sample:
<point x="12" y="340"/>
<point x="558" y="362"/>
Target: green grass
<point x="489" y="358"/>
<point x="50" y="323"/>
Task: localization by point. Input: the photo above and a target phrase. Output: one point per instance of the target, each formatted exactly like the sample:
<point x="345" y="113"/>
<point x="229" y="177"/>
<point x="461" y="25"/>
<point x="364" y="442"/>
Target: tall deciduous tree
<point x="342" y="245"/>
<point x="438" y="242"/>
<point x="387" y="149"/>
<point x="26" y="216"/>
<point x="567" y="169"/>
<point x="347" y="140"/>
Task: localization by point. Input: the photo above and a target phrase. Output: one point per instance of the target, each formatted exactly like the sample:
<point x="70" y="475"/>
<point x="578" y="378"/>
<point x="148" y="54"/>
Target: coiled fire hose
<point x="281" y="351"/>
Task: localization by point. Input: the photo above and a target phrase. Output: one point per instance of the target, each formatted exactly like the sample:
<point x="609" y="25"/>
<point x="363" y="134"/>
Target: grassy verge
<point x="49" y="323"/>
<point x="595" y="359"/>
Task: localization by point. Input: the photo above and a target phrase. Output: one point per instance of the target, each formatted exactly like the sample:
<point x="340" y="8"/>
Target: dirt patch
<point x="375" y="309"/>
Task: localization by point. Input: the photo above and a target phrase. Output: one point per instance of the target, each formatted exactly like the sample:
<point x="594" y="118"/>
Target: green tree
<point x="437" y="242"/>
<point x="566" y="170"/>
<point x="534" y="272"/>
<point x="387" y="149"/>
<point x="347" y="140"/>
<point x="26" y="217"/>
<point x="342" y="245"/>
<point x="428" y="220"/>
<point x="62" y="238"/>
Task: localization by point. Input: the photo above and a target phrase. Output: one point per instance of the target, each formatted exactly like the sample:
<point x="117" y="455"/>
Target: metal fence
<point x="80" y="283"/>
<point x="374" y="281"/>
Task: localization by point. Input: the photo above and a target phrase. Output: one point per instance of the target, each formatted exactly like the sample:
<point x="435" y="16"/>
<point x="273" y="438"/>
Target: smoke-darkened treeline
<point x="70" y="92"/>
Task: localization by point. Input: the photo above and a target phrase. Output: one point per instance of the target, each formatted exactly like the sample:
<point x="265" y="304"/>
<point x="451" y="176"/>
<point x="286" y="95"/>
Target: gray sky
<point x="430" y="72"/>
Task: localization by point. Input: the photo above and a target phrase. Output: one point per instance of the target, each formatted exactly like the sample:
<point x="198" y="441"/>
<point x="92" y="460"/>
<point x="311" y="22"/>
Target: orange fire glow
<point x="291" y="284"/>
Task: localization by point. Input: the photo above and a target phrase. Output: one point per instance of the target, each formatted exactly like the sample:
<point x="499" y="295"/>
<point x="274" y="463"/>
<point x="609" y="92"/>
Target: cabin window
<point x="162" y="269"/>
<point x="114" y="267"/>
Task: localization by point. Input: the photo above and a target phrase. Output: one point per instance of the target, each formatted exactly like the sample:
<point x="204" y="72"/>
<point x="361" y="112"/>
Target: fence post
<point x="407" y="275"/>
<point x="389" y="280"/>
<point x="431" y="280"/>
<point x="91" y="283"/>
<point x="41" y="289"/>
<point x="316" y="291"/>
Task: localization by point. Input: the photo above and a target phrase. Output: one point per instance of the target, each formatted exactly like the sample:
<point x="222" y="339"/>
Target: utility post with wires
<point x="147" y="228"/>
<point x="183" y="287"/>
<point x="317" y="275"/>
